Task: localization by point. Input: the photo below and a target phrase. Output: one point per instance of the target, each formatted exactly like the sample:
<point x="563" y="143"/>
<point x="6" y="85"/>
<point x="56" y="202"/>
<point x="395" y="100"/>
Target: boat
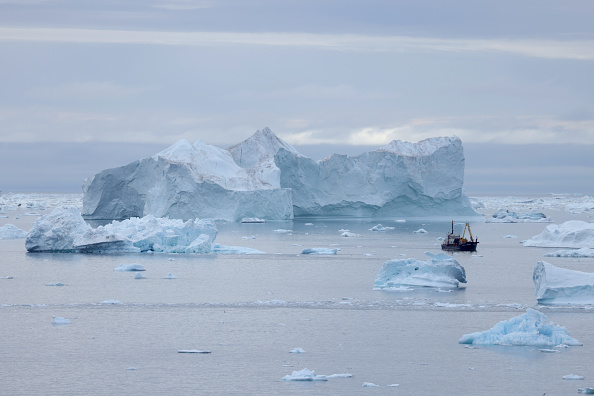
<point x="455" y="242"/>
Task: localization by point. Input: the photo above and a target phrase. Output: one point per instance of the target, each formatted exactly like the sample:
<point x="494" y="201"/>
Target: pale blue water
<point x="250" y="311"/>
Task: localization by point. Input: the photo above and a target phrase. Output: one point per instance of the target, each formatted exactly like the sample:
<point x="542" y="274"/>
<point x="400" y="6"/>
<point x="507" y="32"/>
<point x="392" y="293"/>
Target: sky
<point x="95" y="84"/>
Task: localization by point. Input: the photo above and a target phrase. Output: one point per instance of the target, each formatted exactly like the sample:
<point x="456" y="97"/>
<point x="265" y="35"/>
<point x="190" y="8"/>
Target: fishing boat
<point x="455" y="242"/>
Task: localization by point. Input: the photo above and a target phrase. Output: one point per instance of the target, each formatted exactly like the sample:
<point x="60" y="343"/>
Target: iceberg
<point x="527" y="329"/>
<point x="129" y="267"/>
<point x="10" y="231"/>
<point x="436" y="272"/>
<point x="574" y="253"/>
<point x="380" y="227"/>
<point x="505" y="216"/>
<point x="222" y="249"/>
<point x="556" y="285"/>
<point x="65" y="231"/>
<point x="265" y="178"/>
<point x="58" y="320"/>
<point x="571" y="234"/>
<point x="319" y="251"/>
<point x="304" y="375"/>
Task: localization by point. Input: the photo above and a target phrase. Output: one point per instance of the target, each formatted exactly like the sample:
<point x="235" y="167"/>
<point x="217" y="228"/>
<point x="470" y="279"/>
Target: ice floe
<point x="506" y="216"/>
<point x="556" y="285"/>
<point x="319" y="251"/>
<point x="297" y="350"/>
<point x="529" y="328"/>
<point x="420" y="231"/>
<point x="573" y="377"/>
<point x="571" y="234"/>
<point x="129" y="267"/>
<point x="64" y="230"/>
<point x="222" y="249"/>
<point x="10" y="231"/>
<point x="440" y="271"/>
<point x="58" y="320"/>
<point x="380" y="227"/>
<point x="573" y="253"/>
<point x="304" y="375"/>
<point x="192" y="351"/>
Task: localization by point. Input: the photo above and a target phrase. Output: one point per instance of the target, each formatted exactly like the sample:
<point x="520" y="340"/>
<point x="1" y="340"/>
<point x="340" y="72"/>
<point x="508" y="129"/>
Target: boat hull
<point x="463" y="247"/>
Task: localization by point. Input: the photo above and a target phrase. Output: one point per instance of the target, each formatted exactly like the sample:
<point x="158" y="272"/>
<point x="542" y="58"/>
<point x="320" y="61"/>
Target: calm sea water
<point x="250" y="311"/>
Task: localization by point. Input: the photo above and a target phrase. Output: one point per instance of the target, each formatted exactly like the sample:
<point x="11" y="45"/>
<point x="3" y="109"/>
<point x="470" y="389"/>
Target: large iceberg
<point x="571" y="234"/>
<point x="556" y="285"/>
<point x="527" y="329"/>
<point x="440" y="271"/>
<point x="266" y="178"/>
<point x="64" y="230"/>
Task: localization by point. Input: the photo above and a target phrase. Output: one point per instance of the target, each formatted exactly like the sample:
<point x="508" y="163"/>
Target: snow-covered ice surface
<point x="570" y="234"/>
<point x="529" y="329"/>
<point x="574" y="253"/>
<point x="266" y="178"/>
<point x="251" y="310"/>
<point x="556" y="285"/>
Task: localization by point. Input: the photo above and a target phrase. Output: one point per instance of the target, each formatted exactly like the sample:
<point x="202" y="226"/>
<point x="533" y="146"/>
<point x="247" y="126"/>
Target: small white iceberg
<point x="573" y="253"/>
<point x="304" y="375"/>
<point x="441" y="271"/>
<point x="348" y="234"/>
<point x="571" y="234"/>
<point x="139" y="276"/>
<point x="252" y="220"/>
<point x="56" y="284"/>
<point x="10" y="231"/>
<point x="586" y="391"/>
<point x="170" y="276"/>
<point x="505" y="216"/>
<point x="319" y="251"/>
<point x="556" y="285"/>
<point x="129" y="267"/>
<point x="297" y="350"/>
<point x="192" y="351"/>
<point x="527" y="329"/>
<point x="380" y="228"/>
<point x="112" y="302"/>
<point x="573" y="377"/>
<point x="222" y="249"/>
<point x="420" y="231"/>
<point x="58" y="320"/>
<point x="369" y="385"/>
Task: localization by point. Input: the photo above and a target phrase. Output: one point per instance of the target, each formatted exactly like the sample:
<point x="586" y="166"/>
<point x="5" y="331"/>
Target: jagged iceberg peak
<point x="259" y="148"/>
<point x="422" y="148"/>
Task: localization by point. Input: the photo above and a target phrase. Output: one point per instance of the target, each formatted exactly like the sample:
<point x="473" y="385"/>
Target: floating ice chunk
<point x="400" y="221"/>
<point x="571" y="234"/>
<point x="380" y="227"/>
<point x="10" y="231"/>
<point x="58" y="320"/>
<point x="252" y="220"/>
<point x="282" y="231"/>
<point x="510" y="236"/>
<point x="527" y="329"/>
<point x="248" y="237"/>
<point x="505" y="216"/>
<point x="139" y="276"/>
<point x="411" y="272"/>
<point x="556" y="285"/>
<point x="393" y="385"/>
<point x="319" y="251"/>
<point x="348" y="234"/>
<point x="574" y="253"/>
<point x="192" y="351"/>
<point x="129" y="267"/>
<point x="369" y="385"/>
<point x="64" y="230"/>
<point x="344" y="375"/>
<point x="170" y="276"/>
<point x="420" y="231"/>
<point x="297" y="350"/>
<point x="6" y="277"/>
<point x="112" y="302"/>
<point x="222" y="249"/>
<point x="56" y="284"/>
<point x="308" y="224"/>
<point x="586" y="391"/>
<point x="573" y="377"/>
<point x="304" y="375"/>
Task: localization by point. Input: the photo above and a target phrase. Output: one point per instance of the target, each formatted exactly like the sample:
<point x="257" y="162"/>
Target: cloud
<point x="549" y="49"/>
<point x="87" y="90"/>
<point x="183" y="5"/>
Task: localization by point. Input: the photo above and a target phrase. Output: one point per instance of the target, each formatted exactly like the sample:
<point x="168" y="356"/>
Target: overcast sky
<point x="87" y="85"/>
